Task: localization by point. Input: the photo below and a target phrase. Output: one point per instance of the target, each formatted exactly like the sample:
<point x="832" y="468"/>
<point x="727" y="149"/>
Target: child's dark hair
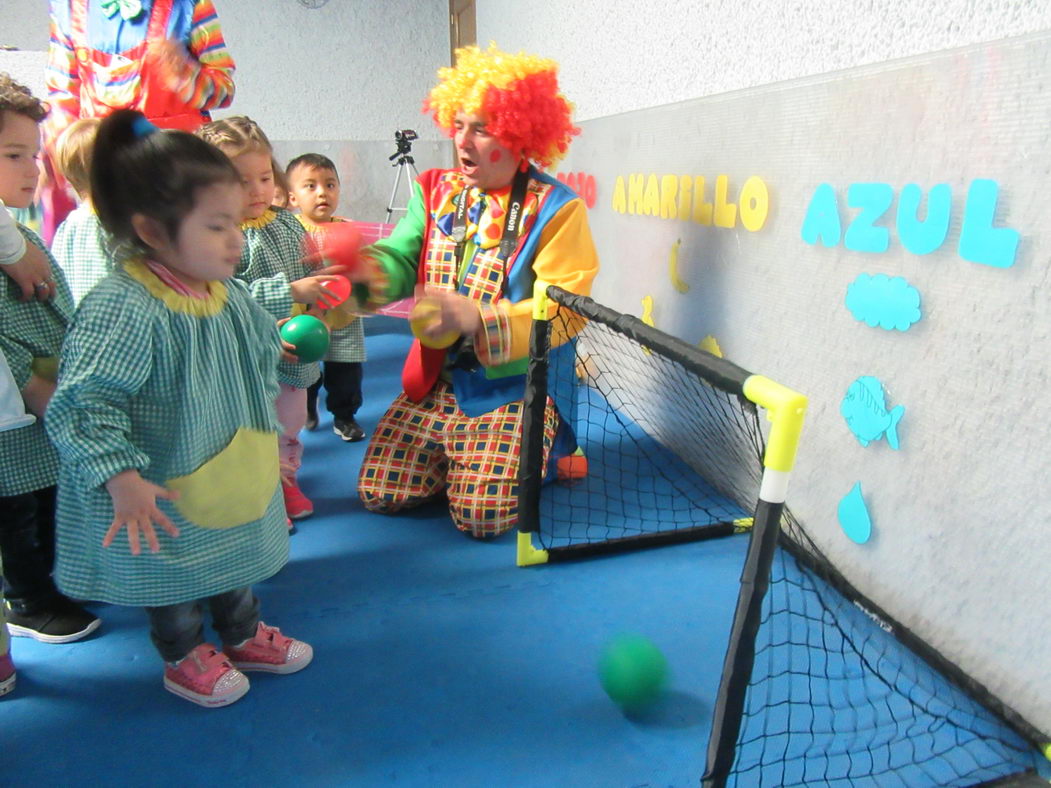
<point x="315" y="160"/>
<point x="137" y="168"/>
<point x="17" y="98"/>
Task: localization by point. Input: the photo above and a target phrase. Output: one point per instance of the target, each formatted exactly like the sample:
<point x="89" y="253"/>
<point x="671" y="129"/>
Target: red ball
<point x="341" y="245"/>
<point x="339" y="285"/>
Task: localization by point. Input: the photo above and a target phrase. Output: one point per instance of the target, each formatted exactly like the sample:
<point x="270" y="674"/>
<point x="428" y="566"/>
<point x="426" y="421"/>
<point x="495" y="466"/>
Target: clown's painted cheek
<point x="495" y="156"/>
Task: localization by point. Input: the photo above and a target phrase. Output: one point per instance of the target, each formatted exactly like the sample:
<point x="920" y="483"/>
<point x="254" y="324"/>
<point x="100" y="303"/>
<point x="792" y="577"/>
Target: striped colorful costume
<point x="98" y="62"/>
<point x="452" y="429"/>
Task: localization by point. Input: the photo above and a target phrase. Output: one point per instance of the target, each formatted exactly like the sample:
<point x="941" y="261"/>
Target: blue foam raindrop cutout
<point x="854" y="516"/>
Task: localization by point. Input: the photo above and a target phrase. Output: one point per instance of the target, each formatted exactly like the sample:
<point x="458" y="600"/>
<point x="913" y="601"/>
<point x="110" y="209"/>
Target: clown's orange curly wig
<point x="518" y="96"/>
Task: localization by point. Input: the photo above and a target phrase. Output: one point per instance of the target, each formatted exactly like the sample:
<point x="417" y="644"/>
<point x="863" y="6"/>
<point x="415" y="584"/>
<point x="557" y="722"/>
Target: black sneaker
<point x="311" y="424"/>
<point x="59" y="621"/>
<point x="348" y="430"/>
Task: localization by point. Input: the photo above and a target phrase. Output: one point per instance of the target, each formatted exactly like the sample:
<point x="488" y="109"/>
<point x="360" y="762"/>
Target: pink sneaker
<point x="7" y="673"/>
<point x="297" y="505"/>
<point x="206" y="677"/>
<point x="270" y="652"/>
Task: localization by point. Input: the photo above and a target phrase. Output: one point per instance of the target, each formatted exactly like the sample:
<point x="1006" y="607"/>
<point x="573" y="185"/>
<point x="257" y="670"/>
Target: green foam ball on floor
<point x="633" y="672"/>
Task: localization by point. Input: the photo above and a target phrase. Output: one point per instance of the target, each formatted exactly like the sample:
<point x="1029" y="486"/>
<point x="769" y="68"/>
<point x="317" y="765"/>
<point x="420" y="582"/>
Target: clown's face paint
<point x="484" y="162"/>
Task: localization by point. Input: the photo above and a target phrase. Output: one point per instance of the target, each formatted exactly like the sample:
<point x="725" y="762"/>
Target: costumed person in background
<point x="164" y="418"/>
<point x="314" y="188"/>
<point x="455" y="428"/>
<point x="165" y="58"/>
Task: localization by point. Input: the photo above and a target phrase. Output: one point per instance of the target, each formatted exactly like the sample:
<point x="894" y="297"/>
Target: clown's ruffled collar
<point x="486" y="210"/>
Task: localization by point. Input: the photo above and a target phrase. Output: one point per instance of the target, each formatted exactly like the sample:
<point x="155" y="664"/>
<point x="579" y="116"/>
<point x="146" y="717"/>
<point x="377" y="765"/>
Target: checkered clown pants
<point x="420" y="449"/>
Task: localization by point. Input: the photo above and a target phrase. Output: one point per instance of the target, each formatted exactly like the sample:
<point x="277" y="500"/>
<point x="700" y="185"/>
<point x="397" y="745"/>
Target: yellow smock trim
<point x="176" y="302"/>
<point x="268" y="216"/>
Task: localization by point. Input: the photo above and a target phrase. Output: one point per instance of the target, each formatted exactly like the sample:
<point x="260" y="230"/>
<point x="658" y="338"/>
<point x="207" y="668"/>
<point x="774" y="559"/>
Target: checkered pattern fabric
<point x="81" y="247"/>
<point x="421" y="448"/>
<point x="161" y="383"/>
<point x="31" y="335"/>
<point x="270" y="261"/>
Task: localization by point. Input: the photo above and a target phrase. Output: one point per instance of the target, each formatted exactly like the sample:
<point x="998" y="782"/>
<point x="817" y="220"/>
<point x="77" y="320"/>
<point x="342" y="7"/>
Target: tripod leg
<point x="394" y="191"/>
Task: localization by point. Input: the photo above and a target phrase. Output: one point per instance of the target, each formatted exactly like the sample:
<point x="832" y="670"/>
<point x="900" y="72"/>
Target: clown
<point x="472" y="243"/>
<point x="165" y="58"/>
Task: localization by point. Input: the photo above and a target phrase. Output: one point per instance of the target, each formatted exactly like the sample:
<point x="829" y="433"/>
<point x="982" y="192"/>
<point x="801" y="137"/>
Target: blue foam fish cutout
<point x="854" y="516"/>
<point x="865" y="409"/>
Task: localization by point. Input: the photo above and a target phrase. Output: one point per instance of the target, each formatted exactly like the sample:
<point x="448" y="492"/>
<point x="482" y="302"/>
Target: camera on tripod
<point x="403" y="138"/>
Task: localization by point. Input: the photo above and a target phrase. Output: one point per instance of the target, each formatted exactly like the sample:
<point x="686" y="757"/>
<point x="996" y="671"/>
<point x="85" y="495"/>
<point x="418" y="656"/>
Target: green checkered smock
<point x="31" y="335"/>
<point x="81" y="247"/>
<point x="269" y="262"/>
<point x="149" y="383"/>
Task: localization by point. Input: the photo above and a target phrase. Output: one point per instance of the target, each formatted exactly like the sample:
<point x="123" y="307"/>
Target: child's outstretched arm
<point x="135" y="507"/>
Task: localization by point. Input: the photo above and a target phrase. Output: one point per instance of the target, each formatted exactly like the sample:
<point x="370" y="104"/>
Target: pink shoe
<point x="7" y="673"/>
<point x="206" y="677"/>
<point x="297" y="505"/>
<point x="270" y="652"/>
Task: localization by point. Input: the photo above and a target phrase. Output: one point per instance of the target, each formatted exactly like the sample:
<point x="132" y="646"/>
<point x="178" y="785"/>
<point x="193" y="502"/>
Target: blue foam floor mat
<point x="437" y="661"/>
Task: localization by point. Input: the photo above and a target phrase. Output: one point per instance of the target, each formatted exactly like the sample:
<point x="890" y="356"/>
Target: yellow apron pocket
<point x="235" y="486"/>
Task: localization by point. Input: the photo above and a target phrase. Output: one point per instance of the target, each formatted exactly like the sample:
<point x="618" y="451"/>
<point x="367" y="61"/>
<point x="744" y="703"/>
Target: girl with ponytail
<point x="164" y="417"/>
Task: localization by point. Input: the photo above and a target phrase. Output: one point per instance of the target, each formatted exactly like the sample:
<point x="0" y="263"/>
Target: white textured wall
<point x="619" y="55"/>
<point x="961" y="513"/>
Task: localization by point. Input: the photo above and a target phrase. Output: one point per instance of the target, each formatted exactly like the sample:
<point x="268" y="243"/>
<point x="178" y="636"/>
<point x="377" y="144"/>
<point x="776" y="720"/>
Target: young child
<point x="81" y="246"/>
<point x="164" y="417"/>
<point x="280" y="186"/>
<point x="314" y="189"/>
<point x="31" y="336"/>
<point x="271" y="265"/>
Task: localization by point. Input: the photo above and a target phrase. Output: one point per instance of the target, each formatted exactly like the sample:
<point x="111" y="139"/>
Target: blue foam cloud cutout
<point x="880" y="300"/>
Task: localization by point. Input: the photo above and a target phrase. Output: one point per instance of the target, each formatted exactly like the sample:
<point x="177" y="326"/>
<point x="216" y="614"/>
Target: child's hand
<point x="135" y="506"/>
<point x="308" y="289"/>
<point x="457" y="314"/>
<point x="287" y="348"/>
<point x="171" y="59"/>
<point x="37" y="394"/>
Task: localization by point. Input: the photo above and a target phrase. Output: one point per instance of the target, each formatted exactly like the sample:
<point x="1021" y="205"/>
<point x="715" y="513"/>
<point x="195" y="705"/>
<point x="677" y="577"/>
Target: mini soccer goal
<point x="659" y="443"/>
<point x="821" y="687"/>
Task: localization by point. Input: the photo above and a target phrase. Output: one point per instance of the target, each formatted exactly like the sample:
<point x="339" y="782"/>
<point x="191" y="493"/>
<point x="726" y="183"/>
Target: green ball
<point x="633" y="672"/>
<point x="309" y="335"/>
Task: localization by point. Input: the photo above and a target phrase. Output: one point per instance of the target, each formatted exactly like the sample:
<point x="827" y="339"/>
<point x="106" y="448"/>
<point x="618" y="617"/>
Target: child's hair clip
<point x="142" y="127"/>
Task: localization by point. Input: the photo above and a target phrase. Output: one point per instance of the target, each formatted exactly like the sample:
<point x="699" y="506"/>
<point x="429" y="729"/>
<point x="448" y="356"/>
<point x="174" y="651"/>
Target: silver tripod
<point x="404" y="159"/>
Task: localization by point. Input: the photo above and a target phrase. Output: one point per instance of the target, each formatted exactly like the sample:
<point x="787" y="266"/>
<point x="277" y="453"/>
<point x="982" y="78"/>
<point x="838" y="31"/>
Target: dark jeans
<point x="176" y="630"/>
<point x="342" y="382"/>
<point x="27" y="548"/>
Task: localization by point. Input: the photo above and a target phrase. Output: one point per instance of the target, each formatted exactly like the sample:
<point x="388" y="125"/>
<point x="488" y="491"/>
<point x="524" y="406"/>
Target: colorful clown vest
<point x="486" y="279"/>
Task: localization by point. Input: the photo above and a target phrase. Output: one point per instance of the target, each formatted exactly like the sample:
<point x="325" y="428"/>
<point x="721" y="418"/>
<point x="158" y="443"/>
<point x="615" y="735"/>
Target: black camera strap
<point x="512" y="222"/>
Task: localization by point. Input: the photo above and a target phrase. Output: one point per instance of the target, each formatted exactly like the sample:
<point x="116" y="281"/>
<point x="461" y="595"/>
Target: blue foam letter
<point x="926" y="236"/>
<point x="980" y="242"/>
<point x="822" y="217"/>
<point x="874" y="199"/>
